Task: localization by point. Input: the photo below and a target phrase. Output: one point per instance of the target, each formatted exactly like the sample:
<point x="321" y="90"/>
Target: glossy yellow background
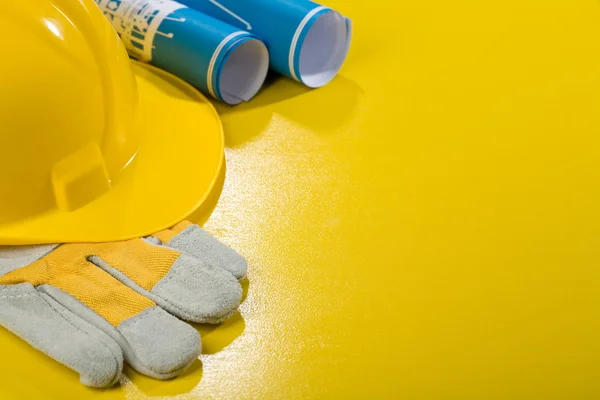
<point x="424" y="227"/>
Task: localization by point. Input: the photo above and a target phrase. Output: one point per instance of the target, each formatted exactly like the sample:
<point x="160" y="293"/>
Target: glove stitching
<point x="176" y="307"/>
<point x="148" y="294"/>
<point x="61" y="313"/>
<point x="166" y="280"/>
<point x="141" y="316"/>
<point x="17" y="296"/>
<point x="187" y="315"/>
<point x="10" y="289"/>
<point x="138" y="360"/>
<point x="198" y="319"/>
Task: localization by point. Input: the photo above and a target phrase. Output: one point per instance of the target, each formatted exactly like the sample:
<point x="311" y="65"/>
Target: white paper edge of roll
<point x="244" y="72"/>
<point x="324" y="49"/>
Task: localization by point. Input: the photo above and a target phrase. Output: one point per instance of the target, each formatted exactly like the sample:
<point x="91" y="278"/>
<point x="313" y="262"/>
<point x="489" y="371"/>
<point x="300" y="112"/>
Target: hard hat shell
<point x="94" y="147"/>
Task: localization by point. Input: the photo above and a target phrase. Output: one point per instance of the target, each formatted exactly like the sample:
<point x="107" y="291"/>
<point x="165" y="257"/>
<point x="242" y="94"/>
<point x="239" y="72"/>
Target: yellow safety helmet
<point x="94" y="147"/>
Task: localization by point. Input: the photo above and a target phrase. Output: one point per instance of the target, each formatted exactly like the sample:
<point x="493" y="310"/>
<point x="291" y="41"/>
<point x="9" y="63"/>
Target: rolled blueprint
<point x="228" y="63"/>
<point x="306" y="41"/>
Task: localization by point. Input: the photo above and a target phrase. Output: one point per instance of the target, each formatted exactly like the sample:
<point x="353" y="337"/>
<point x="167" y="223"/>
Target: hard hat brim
<point x="173" y="173"/>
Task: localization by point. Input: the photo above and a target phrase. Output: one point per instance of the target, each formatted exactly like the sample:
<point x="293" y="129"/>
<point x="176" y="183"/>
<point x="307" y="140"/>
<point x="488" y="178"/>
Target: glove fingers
<point x="120" y="321"/>
<point x="198" y="291"/>
<point x="153" y="342"/>
<point x="191" y="289"/>
<point x="52" y="329"/>
<point x="193" y="240"/>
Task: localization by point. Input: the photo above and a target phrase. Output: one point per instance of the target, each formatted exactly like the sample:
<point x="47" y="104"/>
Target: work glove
<point x="93" y="306"/>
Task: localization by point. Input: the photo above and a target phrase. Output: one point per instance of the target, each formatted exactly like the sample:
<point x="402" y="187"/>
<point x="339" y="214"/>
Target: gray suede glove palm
<point x="93" y="306"/>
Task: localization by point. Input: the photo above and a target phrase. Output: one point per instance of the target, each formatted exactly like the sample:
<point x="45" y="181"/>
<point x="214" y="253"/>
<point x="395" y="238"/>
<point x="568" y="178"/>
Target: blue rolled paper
<point x="306" y="41"/>
<point x="226" y="62"/>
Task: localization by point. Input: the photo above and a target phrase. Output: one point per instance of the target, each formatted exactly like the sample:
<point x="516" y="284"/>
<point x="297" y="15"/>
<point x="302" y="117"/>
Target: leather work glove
<point x="93" y="306"/>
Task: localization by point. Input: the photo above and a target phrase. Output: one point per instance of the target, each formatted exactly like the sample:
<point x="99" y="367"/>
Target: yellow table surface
<point x="427" y="226"/>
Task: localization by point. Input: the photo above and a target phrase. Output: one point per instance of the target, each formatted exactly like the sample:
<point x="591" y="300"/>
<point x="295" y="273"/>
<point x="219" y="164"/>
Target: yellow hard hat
<point x="94" y="147"/>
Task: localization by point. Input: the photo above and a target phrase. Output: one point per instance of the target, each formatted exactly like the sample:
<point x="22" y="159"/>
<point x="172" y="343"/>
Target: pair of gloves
<point x="93" y="307"/>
